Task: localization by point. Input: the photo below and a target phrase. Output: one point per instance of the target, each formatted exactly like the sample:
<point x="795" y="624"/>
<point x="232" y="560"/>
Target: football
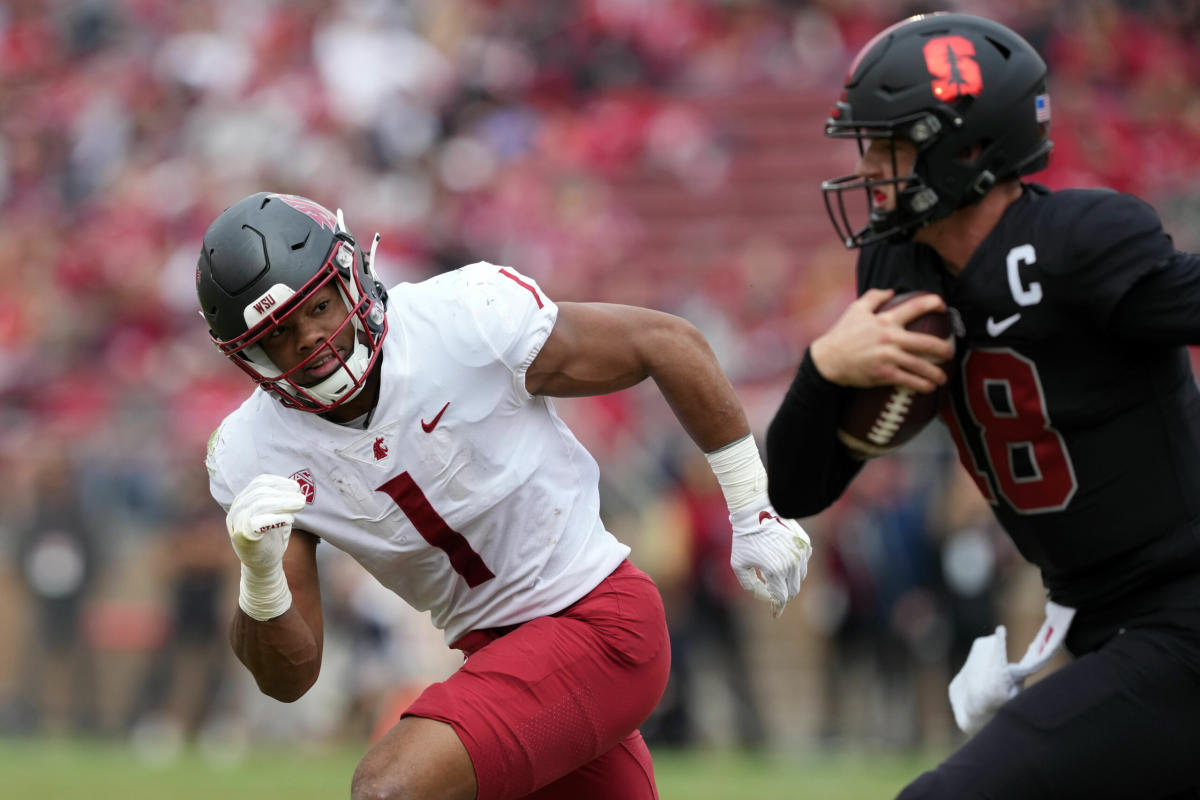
<point x="877" y="420"/>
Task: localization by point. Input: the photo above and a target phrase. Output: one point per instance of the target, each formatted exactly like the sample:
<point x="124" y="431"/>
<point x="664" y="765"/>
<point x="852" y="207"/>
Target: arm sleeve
<point x="807" y="467"/>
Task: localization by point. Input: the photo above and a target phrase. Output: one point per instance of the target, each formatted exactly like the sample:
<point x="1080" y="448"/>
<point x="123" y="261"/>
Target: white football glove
<point x="260" y="523"/>
<point x="984" y="683"/>
<point x="770" y="554"/>
<point x="987" y="681"/>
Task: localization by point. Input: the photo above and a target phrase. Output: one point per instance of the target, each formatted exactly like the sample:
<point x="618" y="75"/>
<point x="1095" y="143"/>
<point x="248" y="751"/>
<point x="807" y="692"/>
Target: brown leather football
<point x="877" y="420"/>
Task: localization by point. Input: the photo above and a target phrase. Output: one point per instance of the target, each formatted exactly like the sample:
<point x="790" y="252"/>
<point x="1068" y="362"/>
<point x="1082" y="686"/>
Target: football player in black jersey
<point x="1072" y="402"/>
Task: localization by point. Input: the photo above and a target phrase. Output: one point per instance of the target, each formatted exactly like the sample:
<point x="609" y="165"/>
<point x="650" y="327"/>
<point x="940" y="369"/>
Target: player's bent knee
<point x="359" y="790"/>
<point x="383" y="783"/>
<point x="372" y="783"/>
<point x="417" y="758"/>
<point x="369" y="787"/>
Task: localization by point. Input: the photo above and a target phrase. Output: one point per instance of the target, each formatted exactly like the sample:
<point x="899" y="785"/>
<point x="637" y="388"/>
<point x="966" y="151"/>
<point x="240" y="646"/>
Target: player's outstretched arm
<point x="599" y="348"/>
<point x="277" y="631"/>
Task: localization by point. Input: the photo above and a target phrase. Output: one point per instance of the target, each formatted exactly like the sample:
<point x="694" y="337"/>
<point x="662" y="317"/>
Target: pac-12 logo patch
<point x="305" y="479"/>
<point x="952" y="63"/>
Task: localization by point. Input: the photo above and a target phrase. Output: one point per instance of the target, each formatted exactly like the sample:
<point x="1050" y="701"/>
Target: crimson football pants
<point x="549" y="709"/>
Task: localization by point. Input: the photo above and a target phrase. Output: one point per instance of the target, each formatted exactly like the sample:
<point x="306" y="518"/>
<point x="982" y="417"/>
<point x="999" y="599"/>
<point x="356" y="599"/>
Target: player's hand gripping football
<point x="260" y="523"/>
<point x="867" y="347"/>
<point x="770" y="554"/>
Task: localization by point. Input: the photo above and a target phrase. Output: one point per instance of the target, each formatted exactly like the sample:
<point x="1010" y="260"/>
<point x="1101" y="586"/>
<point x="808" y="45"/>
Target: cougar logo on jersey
<point x="380" y="449"/>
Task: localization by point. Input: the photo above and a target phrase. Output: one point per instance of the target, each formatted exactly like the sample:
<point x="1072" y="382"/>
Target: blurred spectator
<point x="975" y="556"/>
<point x="384" y="653"/>
<point x="707" y="633"/>
<point x="185" y="685"/>
<point x="57" y="549"/>
<point x="883" y="616"/>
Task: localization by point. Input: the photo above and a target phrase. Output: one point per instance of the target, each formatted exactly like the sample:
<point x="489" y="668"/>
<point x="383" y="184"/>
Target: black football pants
<point x="1120" y="722"/>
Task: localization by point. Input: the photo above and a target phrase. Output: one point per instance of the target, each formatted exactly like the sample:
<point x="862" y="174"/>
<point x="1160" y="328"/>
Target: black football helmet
<point x="946" y="83"/>
<point x="260" y="259"/>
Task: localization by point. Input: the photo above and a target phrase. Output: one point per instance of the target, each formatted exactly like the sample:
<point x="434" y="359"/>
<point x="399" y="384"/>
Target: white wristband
<point x="740" y="471"/>
<point x="264" y="595"/>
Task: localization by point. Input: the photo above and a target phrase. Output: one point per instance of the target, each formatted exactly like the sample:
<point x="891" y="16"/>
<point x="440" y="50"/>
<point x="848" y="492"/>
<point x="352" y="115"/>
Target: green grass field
<point x="57" y="771"/>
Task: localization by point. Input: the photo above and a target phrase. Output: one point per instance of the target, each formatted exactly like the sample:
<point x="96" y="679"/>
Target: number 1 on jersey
<point x="433" y="529"/>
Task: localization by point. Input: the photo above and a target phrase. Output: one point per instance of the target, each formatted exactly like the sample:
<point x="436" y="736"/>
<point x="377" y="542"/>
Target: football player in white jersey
<point x="415" y="432"/>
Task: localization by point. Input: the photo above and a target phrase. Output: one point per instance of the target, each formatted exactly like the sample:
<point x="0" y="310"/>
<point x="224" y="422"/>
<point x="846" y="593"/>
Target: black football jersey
<point x="1072" y="402"/>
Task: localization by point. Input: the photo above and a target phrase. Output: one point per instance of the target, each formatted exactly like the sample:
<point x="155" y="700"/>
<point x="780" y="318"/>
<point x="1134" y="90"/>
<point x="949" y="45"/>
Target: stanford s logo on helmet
<point x="261" y="258"/>
<point x="951" y="62"/>
<point x="968" y="93"/>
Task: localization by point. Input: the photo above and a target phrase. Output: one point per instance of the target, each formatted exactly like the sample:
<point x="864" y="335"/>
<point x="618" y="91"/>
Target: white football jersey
<point x="465" y="495"/>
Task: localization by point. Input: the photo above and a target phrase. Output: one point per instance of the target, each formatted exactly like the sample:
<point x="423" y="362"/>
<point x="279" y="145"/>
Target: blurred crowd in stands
<point x="663" y="153"/>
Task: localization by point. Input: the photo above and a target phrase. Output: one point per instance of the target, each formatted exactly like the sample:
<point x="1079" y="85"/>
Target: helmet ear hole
<point x="971" y="152"/>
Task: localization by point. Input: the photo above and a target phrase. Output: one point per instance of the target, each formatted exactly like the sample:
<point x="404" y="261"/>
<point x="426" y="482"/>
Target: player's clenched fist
<point x="770" y="554"/>
<point x="260" y="523"/>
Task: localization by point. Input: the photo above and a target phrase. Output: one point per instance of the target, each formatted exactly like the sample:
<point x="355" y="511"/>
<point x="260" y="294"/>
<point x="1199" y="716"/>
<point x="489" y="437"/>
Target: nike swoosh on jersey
<point x="429" y="426"/>
<point x="995" y="328"/>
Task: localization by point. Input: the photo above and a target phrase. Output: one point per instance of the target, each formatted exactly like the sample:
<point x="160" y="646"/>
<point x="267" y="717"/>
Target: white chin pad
<point x="340" y="384"/>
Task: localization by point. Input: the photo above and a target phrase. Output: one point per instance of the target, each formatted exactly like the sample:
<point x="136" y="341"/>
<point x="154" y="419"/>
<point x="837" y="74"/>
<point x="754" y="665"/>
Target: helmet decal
<point x="315" y="211"/>
<point x="307" y="486"/>
<point x="1041" y="105"/>
<point x="951" y="61"/>
<point x="258" y="310"/>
